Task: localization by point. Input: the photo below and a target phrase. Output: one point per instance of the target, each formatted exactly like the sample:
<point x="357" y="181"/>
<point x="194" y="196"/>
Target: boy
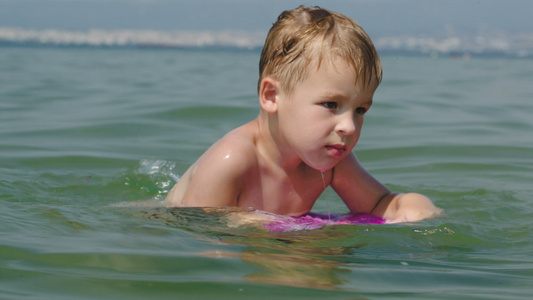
<point x="318" y="73"/>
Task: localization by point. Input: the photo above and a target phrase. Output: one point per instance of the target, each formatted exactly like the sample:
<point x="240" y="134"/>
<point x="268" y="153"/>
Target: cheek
<point x="308" y="120"/>
<point x="358" y="121"/>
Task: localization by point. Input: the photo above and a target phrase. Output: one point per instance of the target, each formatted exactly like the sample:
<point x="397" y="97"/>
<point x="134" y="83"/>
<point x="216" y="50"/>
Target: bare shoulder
<point x="217" y="178"/>
<point x="237" y="148"/>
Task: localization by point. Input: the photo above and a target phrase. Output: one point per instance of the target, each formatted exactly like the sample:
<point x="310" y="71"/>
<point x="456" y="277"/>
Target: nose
<point x="347" y="124"/>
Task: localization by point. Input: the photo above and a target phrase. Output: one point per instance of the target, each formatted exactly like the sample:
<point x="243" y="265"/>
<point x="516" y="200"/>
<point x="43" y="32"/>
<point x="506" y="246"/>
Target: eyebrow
<point x="369" y="101"/>
<point x="339" y="96"/>
<point x="333" y="96"/>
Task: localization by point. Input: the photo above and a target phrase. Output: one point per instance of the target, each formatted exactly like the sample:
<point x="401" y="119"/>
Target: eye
<point x="361" y="110"/>
<point x="330" y="105"/>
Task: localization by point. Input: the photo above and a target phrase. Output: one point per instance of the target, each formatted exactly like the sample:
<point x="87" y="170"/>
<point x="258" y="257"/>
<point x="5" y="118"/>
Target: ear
<point x="268" y="94"/>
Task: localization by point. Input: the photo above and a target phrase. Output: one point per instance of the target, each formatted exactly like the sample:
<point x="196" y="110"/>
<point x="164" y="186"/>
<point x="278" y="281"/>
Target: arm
<point x="409" y="207"/>
<point x="362" y="193"/>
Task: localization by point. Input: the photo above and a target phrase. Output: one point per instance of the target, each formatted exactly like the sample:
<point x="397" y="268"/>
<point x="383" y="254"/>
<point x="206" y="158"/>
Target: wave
<point x="499" y="43"/>
<point x="133" y="38"/>
<point x="519" y="45"/>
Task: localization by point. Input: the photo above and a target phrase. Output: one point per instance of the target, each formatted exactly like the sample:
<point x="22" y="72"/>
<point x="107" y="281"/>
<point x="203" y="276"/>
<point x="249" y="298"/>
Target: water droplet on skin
<point x="326" y="194"/>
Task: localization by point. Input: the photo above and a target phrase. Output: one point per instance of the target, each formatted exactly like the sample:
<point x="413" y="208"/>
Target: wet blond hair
<point x="306" y="36"/>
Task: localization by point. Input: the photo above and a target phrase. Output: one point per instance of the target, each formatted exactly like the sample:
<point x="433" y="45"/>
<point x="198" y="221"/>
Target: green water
<point x="84" y="129"/>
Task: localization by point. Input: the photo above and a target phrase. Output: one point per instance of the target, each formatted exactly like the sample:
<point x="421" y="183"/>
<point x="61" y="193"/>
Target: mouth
<point x="336" y="150"/>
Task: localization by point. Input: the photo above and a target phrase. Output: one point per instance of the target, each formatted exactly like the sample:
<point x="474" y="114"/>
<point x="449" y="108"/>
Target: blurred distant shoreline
<point x="454" y="45"/>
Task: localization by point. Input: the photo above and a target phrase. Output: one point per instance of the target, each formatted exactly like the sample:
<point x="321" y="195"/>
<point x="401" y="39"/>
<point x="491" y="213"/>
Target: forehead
<point x="317" y="55"/>
<point x="333" y="78"/>
<point x="348" y="71"/>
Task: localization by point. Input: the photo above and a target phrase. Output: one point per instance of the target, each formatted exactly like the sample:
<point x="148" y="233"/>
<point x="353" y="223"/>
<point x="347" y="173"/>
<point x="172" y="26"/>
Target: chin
<point x="323" y="164"/>
<point x="323" y="167"/>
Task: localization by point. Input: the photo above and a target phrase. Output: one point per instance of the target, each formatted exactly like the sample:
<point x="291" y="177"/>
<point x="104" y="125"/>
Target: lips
<point x="336" y="150"/>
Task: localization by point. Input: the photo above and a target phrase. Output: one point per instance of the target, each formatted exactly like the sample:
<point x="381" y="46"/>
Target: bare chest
<point x="282" y="193"/>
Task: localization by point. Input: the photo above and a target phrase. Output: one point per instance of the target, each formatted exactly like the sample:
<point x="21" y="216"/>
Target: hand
<point x="409" y="207"/>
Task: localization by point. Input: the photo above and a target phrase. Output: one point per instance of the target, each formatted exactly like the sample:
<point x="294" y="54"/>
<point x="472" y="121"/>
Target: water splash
<point x="160" y="172"/>
<point x="326" y="194"/>
<point x="151" y="181"/>
<point x="157" y="167"/>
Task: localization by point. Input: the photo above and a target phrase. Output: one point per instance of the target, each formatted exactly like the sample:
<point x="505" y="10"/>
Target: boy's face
<point x="321" y="120"/>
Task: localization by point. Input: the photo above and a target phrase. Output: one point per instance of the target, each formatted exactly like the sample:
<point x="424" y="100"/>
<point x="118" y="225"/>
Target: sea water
<point x="84" y="129"/>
